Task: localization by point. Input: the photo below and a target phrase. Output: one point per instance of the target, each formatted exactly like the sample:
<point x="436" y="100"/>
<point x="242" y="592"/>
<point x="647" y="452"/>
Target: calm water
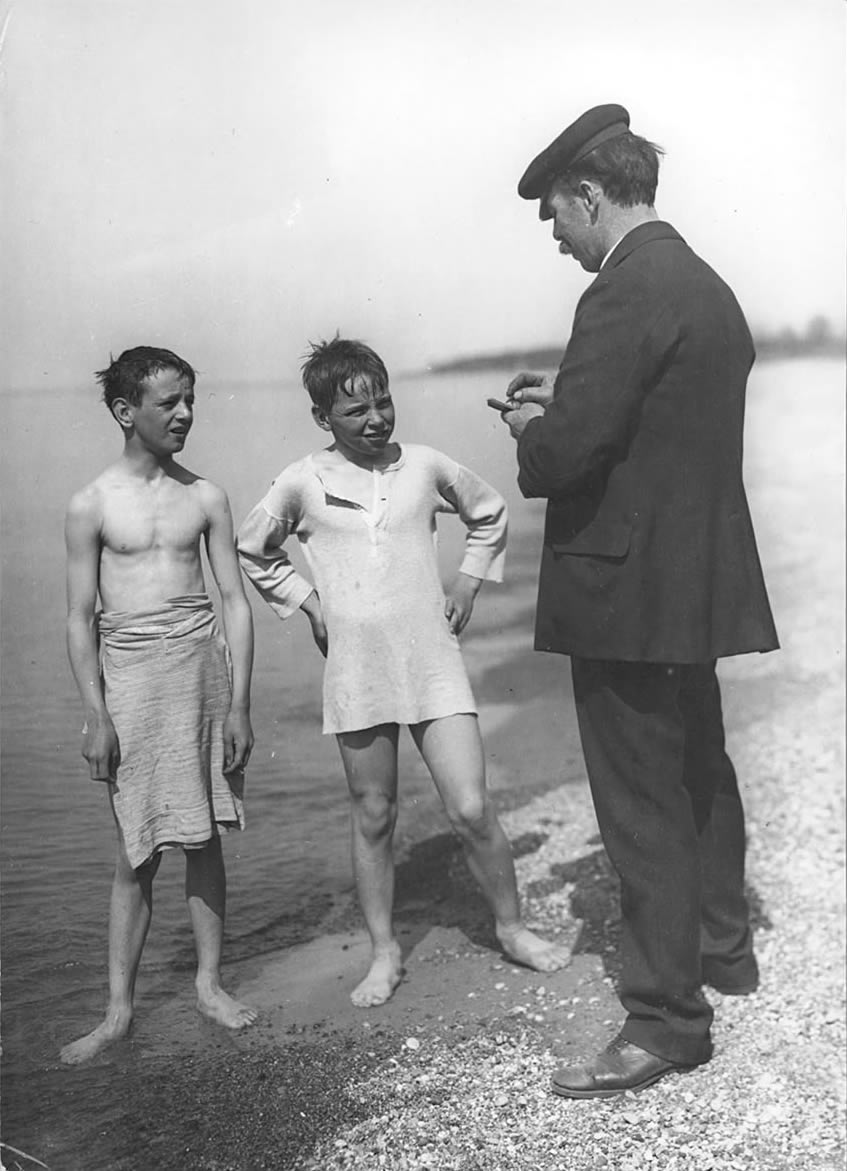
<point x="292" y="861"/>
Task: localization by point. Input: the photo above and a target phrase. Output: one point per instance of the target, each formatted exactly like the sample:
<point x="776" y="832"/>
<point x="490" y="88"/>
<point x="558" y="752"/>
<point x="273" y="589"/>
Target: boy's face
<point x="361" y="419"/>
<point x="164" y="416"/>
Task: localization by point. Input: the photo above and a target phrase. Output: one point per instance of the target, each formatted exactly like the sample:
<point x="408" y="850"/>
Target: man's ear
<point x="321" y="418"/>
<point x="124" y="413"/>
<point x="591" y="194"/>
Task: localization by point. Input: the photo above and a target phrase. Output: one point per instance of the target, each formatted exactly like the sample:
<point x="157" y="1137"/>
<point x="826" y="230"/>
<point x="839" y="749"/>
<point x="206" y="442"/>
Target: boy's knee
<point x="473" y="818"/>
<point x="375" y="813"/>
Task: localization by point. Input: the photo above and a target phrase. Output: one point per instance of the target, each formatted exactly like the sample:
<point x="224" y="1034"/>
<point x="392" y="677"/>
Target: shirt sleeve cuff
<point x="486" y="564"/>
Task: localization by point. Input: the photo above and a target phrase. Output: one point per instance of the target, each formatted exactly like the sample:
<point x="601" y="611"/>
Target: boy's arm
<point x="238" y="628"/>
<point x="265" y="562"/>
<point x="311" y="607"/>
<point x="82" y="540"/>
<point x="483" y="512"/>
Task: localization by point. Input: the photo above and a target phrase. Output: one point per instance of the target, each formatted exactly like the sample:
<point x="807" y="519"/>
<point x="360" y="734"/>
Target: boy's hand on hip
<point x="238" y="740"/>
<point x="313" y="611"/>
<point x="320" y="636"/>
<point x="100" y="748"/>
<point x="458" y="605"/>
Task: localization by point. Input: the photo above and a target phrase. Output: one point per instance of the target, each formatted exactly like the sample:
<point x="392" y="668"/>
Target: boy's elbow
<point x="233" y="597"/>
<point x="250" y="568"/>
<point x="497" y="522"/>
<point x="244" y="556"/>
<point x="80" y="622"/>
<point x="80" y="636"/>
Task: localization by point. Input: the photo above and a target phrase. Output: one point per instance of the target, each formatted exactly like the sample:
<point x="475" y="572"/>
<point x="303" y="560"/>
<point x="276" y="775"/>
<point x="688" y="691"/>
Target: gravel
<point x="773" y="1097"/>
<point x="460" y="1082"/>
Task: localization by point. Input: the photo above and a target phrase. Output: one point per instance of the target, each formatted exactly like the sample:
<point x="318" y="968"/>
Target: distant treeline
<point x="818" y="340"/>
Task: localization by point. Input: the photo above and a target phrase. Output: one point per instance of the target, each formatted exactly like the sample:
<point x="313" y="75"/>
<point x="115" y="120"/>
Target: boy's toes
<point x="525" y="947"/>
<point x="246" y="1015"/>
<point x="219" y="1007"/>
<point x="552" y="958"/>
<point x="378" y="986"/>
<point x="371" y="995"/>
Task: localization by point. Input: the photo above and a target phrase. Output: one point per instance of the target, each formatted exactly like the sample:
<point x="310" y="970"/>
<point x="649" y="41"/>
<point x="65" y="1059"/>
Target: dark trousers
<point x="671" y="819"/>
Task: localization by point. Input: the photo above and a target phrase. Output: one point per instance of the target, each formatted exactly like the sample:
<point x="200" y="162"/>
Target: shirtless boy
<point x="167" y="701"/>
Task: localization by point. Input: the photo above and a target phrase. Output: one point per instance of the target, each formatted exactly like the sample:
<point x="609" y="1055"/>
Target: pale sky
<point x="231" y="180"/>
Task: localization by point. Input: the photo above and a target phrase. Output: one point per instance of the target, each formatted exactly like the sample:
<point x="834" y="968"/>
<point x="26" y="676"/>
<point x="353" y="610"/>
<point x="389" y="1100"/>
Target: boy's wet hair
<point x="124" y="377"/>
<point x="333" y="366"/>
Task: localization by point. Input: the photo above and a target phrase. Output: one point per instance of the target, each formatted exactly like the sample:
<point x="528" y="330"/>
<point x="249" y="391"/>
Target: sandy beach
<point x="453" y="1073"/>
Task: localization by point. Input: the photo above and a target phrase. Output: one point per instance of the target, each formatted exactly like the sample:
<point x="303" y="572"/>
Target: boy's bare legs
<point x="205" y="893"/>
<point x="452" y="750"/>
<point x="370" y="762"/>
<point x="130" y="910"/>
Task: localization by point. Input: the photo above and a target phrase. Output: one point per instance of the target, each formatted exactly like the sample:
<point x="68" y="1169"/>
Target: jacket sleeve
<point x="482" y="510"/>
<point x="619" y="344"/>
<point x="263" y="559"/>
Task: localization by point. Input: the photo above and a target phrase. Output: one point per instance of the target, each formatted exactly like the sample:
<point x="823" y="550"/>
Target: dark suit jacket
<point x="649" y="552"/>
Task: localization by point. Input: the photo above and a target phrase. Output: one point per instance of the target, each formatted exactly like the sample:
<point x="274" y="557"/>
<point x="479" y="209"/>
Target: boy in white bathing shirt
<point x="364" y="510"/>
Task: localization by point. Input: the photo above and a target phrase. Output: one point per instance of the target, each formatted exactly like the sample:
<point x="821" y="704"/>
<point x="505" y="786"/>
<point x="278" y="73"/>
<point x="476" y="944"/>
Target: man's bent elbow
<point x="543" y="484"/>
<point x="529" y="487"/>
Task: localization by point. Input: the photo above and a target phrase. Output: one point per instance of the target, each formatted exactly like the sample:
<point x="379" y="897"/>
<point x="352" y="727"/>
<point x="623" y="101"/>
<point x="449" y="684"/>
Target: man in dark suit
<point x="649" y="574"/>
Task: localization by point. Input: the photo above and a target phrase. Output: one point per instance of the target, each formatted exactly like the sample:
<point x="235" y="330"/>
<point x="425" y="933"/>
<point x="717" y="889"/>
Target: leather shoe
<point x="620" y="1067"/>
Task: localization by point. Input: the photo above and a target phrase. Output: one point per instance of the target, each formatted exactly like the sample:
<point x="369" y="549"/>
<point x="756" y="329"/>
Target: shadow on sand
<point x="595" y="903"/>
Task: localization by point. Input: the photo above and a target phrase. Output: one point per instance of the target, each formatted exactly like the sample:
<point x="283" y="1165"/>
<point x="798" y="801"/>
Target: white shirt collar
<point x="611" y="250"/>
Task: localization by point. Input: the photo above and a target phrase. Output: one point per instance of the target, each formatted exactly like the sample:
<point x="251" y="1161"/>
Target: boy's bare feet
<point x="525" y="947"/>
<point x="385" y="974"/>
<point x="220" y="1007"/>
<point x="115" y="1026"/>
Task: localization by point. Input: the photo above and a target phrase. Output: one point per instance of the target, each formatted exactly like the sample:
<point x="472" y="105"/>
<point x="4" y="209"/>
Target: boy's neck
<point x="146" y="464"/>
<point x="382" y="459"/>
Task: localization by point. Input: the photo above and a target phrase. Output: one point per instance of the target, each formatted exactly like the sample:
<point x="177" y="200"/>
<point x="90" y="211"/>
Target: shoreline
<point x="453" y="1073"/>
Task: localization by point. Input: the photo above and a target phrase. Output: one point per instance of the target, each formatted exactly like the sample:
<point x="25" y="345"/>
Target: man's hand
<point x="517" y="419"/>
<point x="311" y="607"/>
<point x="238" y="740"/>
<point x="100" y="747"/>
<point x="458" y="605"/>
<point x="527" y="387"/>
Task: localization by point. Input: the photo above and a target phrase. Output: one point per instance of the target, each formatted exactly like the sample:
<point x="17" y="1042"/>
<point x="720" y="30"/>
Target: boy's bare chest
<point x="135" y="521"/>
